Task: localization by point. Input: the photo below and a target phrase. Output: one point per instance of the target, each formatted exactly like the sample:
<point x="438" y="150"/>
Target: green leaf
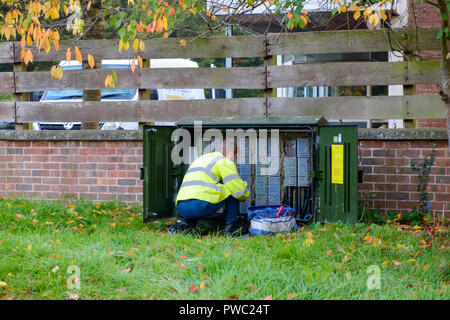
<point x="114" y="76"/>
<point x="122" y="32"/>
<point x="444" y="16"/>
<point x="334" y="11"/>
<point x="439" y="35"/>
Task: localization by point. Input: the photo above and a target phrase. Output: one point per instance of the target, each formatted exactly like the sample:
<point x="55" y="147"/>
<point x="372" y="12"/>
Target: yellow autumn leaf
<point x="183" y="42"/>
<point x="3" y="284"/>
<point x="68" y="54"/>
<point x="78" y="55"/>
<point x="91" y="61"/>
<point x="29" y="247"/>
<point x="368" y="239"/>
<point x="126" y="45"/>
<point x="133" y="64"/>
<point x="141" y="45"/>
<point x="202" y="285"/>
<point x="28" y="57"/>
<point x="385" y="262"/>
<point x="374" y="19"/>
<point x="227" y="254"/>
<point x="136" y="44"/>
<point x="140" y="62"/>
<point x="357" y="15"/>
<point x="308" y="241"/>
<point x="305" y="21"/>
<point x="120" y="45"/>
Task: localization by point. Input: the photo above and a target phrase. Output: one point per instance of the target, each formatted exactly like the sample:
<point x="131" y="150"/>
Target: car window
<point x="107" y="94"/>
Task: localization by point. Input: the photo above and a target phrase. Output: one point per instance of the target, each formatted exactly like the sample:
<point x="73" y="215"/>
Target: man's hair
<point x="228" y="145"/>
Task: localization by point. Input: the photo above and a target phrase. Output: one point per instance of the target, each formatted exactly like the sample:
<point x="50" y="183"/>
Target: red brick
<point x="397" y="195"/>
<point x="52" y="165"/>
<point x="40" y="144"/>
<point x="90" y="181"/>
<point x="442" y="197"/>
<point x="371" y="144"/>
<point x="106" y="181"/>
<point x="385" y="187"/>
<point x="40" y="173"/>
<point x="374" y="178"/>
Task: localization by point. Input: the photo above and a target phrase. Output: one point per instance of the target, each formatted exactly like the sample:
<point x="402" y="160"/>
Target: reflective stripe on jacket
<point x="212" y="177"/>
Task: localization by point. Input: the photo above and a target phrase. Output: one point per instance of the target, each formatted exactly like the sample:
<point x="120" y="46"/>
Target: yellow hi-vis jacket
<point x="212" y="177"/>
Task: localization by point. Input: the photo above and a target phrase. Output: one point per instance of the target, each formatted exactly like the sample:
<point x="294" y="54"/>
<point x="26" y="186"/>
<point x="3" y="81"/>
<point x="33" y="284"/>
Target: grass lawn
<point x="111" y="254"/>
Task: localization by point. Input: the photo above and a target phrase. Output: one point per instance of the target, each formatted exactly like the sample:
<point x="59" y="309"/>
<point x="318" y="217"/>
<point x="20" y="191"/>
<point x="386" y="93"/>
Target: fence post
<point x="409" y="90"/>
<point x="268" y="61"/>
<point x="24" y="96"/>
<point x="144" y="94"/>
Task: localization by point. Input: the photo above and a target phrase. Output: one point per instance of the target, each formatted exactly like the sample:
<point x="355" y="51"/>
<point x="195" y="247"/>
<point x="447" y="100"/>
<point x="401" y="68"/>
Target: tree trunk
<point x="94" y="26"/>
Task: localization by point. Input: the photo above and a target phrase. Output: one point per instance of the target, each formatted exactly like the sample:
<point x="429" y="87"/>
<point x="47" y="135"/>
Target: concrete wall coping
<point x="403" y="134"/>
<point x="124" y="135"/>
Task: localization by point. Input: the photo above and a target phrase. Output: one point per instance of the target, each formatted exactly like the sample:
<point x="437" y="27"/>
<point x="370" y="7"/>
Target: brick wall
<point x="105" y="170"/>
<point x="97" y="170"/>
<point x="387" y="173"/>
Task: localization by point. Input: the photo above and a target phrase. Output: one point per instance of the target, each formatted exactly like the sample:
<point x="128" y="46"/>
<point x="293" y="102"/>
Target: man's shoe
<point x="186" y="226"/>
<point x="235" y="229"/>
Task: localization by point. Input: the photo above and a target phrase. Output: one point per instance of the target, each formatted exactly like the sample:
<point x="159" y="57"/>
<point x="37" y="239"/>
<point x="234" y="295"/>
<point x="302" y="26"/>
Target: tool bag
<point x="271" y="219"/>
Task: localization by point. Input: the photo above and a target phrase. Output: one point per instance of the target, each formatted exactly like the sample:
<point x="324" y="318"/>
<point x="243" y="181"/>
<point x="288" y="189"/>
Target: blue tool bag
<point x="271" y="219"/>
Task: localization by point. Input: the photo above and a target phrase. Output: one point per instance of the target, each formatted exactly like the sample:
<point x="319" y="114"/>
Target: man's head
<point x="230" y="149"/>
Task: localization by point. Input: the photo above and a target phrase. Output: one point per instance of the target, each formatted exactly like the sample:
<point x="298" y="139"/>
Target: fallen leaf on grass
<point x="73" y="296"/>
<point x="292" y="295"/>
<point x="3" y="284"/>
<point x="368" y="239"/>
<point x="396" y="263"/>
<point x="193" y="288"/>
<point x="127" y="270"/>
<point x="268" y="298"/>
<point x="308" y="242"/>
<point x="181" y="265"/>
<point x="227" y="254"/>
<point x="233" y="297"/>
<point x="55" y="269"/>
<point x="425" y="267"/>
<point x="20" y="216"/>
<point x="203" y="285"/>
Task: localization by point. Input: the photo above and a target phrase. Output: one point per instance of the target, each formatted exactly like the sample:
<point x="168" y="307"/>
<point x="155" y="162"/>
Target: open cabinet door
<point x="161" y="177"/>
<point x="338" y="164"/>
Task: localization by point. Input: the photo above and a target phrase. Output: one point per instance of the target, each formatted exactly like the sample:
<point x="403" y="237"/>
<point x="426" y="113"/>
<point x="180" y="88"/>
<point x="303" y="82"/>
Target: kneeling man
<point x="211" y="182"/>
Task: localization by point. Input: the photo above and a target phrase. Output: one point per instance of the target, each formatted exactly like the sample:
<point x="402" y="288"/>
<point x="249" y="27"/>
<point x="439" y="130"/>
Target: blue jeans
<point x="194" y="209"/>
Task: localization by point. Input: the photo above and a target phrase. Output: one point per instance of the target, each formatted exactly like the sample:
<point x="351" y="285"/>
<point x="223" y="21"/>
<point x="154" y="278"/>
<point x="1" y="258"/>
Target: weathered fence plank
<point x="7" y="52"/>
<point x="7" y="111"/>
<point x="348" y="108"/>
<point x="354" y="74"/>
<point x="211" y="47"/>
<point x="180" y="78"/>
<point x="6" y="82"/>
<point x="411" y="39"/>
<point x="141" y="111"/>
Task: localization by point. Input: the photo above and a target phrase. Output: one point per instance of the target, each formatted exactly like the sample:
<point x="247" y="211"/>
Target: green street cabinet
<point x="297" y="161"/>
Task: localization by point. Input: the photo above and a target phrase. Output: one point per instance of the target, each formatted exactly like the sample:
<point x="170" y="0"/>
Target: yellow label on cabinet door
<point x="337" y="163"/>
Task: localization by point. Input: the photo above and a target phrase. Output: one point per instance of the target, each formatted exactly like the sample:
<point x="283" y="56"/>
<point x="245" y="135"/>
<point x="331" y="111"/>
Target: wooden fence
<point x="266" y="78"/>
